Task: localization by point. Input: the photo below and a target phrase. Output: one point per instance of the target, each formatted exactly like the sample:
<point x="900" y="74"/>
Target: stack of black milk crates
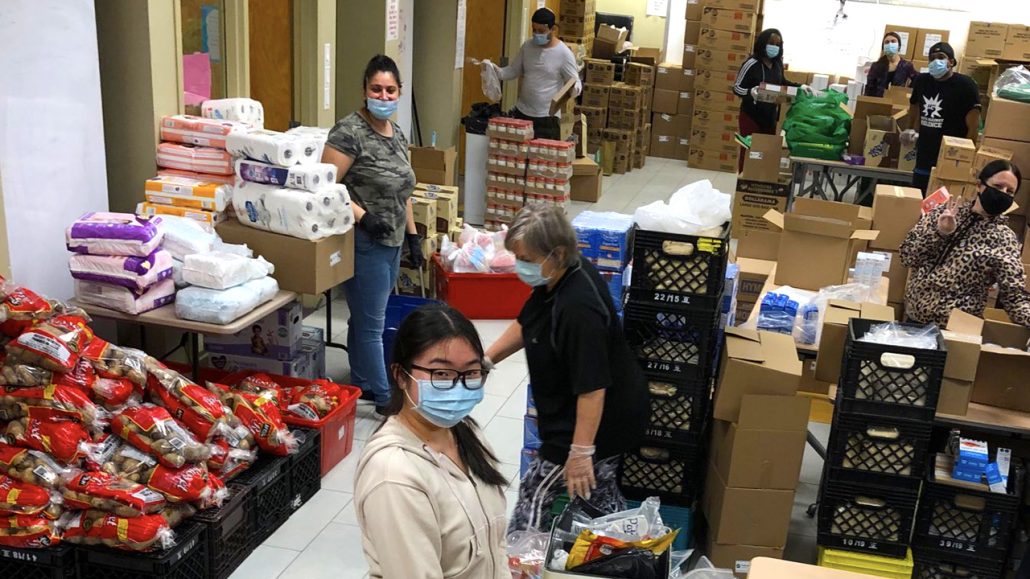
<point x="965" y="529"/>
<point x="672" y="323"/>
<point x="879" y="442"/>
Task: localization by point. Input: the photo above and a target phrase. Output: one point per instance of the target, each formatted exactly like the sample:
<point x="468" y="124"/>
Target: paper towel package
<point x="244" y="110"/>
<point x="192" y="158"/>
<point x="271" y="147"/>
<point x="198" y="130"/>
<point x="308" y="177"/>
<point x="317" y="134"/>
<point x="186" y="192"/>
<point x="137" y="273"/>
<point x="123" y="299"/>
<point x="310" y="215"/>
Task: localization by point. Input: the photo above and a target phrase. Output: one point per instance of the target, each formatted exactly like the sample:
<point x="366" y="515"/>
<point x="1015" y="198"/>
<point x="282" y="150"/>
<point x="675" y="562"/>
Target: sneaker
<point x="367" y="395"/>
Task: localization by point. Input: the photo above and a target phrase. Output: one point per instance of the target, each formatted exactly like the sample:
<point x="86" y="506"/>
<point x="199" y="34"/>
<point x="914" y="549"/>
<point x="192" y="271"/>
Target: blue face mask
<point x="541" y="39"/>
<point x="772" y="51"/>
<point x="381" y="109"/>
<point x="938" y="68"/>
<point x="890" y="49"/>
<point x="531" y="274"/>
<point x="445" y="408"/>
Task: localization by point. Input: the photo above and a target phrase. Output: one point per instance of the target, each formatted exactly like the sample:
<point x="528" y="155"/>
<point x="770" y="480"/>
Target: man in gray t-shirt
<point x="543" y="65"/>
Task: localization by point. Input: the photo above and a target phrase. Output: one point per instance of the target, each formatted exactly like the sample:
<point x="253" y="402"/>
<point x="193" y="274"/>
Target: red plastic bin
<point x="481" y="296"/>
<point x="337" y="428"/>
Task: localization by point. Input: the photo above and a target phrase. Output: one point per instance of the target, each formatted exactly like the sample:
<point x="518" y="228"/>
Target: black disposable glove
<point x="415" y="250"/>
<point x="375" y="226"/>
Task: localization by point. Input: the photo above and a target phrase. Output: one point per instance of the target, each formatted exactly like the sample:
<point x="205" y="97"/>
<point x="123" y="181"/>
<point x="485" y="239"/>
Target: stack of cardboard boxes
<point x="672" y="106"/>
<point x="761" y="187"/>
<point x="576" y="20"/>
<point x="916" y="43"/>
<point x="641" y="75"/>
<point x="758" y="442"/>
<point x="506" y="169"/>
<point x="617" y="114"/>
<point x="549" y="172"/>
<point x="896" y="210"/>
<point x="599" y="76"/>
<point x="435" y="209"/>
<point x="1007" y="134"/>
<point x="992" y="46"/>
<point x="279" y="344"/>
<point x="954" y="168"/>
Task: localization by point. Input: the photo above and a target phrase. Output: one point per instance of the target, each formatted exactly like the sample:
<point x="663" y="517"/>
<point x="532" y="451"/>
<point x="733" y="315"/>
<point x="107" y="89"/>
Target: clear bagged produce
<point x="196" y="407"/>
<point x="28" y="532"/>
<point x="176" y="513"/>
<point x="51" y="402"/>
<point x="314" y="401"/>
<point x="259" y="413"/>
<point x="111" y="361"/>
<point x="143" y="533"/>
<point x="55" y="344"/>
<point x="31" y="466"/>
<point x="112" y="494"/>
<point x="152" y="429"/>
<point x="113" y="394"/>
<point x="228" y="461"/>
<point x="22" y="374"/>
<point x="22" y="498"/>
<point x="63" y="440"/>
<point x="21" y="308"/>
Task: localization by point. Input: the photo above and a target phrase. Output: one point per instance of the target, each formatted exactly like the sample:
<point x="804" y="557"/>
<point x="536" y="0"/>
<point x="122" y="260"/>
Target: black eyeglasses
<point x="446" y="378"/>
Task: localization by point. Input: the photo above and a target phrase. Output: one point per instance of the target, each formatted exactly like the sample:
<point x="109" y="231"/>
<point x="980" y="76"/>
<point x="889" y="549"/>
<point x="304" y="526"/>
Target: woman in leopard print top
<point x="959" y="250"/>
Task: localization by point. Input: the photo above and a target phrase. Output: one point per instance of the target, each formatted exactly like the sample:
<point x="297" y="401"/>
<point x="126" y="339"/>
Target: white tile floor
<point x="322" y="539"/>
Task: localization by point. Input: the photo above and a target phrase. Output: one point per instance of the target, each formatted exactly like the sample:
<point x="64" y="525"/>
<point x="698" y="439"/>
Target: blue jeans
<point x="375" y="275"/>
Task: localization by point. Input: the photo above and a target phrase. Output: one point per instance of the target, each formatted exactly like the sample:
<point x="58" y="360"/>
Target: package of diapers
<point x="186" y="192"/>
<point x="310" y="215"/>
<point x="217" y="270"/>
<point x="198" y="130"/>
<point x="240" y="109"/>
<point x="209" y="218"/>
<point x="177" y="274"/>
<point x="224" y="306"/>
<point x="193" y="158"/>
<point x="123" y="299"/>
<point x="309" y="177"/>
<point x="184" y="236"/>
<point x="209" y="177"/>
<point x="101" y="233"/>
<point x="273" y="147"/>
<point x="136" y="273"/>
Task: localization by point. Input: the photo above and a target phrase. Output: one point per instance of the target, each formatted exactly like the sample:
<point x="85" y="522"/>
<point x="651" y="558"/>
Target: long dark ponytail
<point x="421" y="330"/>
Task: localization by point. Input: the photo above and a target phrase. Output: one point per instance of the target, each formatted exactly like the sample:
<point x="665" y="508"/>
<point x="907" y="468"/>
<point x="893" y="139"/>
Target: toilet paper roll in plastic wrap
<point x="243" y="110"/>
<point x="303" y="214"/>
<point x="272" y="147"/>
<point x="317" y="134"/>
<point x="309" y="177"/>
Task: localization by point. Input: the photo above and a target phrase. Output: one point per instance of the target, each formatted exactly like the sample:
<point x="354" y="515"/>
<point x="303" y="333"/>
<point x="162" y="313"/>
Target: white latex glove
<point x="579" y="471"/>
<point x="909" y="137"/>
<point x="807" y="89"/>
<point x="754" y="93"/>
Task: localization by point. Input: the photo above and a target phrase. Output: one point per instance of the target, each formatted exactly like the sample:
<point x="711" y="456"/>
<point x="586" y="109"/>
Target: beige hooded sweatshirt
<point x="421" y="517"/>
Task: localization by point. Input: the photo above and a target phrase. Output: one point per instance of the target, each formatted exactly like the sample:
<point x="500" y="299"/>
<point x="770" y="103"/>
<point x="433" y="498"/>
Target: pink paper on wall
<point x="196" y="77"/>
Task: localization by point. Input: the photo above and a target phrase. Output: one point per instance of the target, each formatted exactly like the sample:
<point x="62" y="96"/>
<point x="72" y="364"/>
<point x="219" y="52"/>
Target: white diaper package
<point x="123" y="299"/>
<point x="240" y="109"/>
<point x="310" y="215"/>
<point x="272" y="147"/>
<point x="177" y="274"/>
<point x="217" y="270"/>
<point x="184" y="236"/>
<point x="309" y="177"/>
<point x="223" y="306"/>
<point x="240" y="249"/>
<point x="135" y="273"/>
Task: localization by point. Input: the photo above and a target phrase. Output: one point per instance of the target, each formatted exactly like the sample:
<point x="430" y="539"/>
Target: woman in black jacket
<point x="890" y="69"/>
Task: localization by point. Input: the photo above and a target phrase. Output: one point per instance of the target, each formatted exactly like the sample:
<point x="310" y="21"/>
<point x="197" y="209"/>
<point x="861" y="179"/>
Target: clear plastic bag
<point x="527" y="551"/>
<point x="705" y="569"/>
<point x="1011" y="78"/>
<point x="184" y="236"/>
<point x="219" y="271"/>
<point x="904" y="335"/>
<point x="491" y="82"/>
<point x="697" y="209"/>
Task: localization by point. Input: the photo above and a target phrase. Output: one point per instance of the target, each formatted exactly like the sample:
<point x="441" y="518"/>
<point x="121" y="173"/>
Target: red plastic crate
<point x="337" y="428"/>
<point x="481" y="296"/>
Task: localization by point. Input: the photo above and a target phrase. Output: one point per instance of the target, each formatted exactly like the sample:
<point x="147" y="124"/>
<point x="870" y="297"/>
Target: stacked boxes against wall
<point x="1007" y="136"/>
<point x="643" y="76"/>
<point x="576" y="20"/>
<point x="877" y="456"/>
<point x="599" y="76"/>
<point x="672" y="108"/>
<point x="549" y="172"/>
<point x="617" y="114"/>
<point x="673" y="323"/>
<point x="992" y="47"/>
<point x="506" y="169"/>
<point x="719" y="37"/>
<point x="435" y="209"/>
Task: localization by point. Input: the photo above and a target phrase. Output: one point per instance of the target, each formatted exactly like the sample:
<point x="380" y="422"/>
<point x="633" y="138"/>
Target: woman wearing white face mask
<point x="891" y="69"/>
<point x="590" y="393"/>
<point x="428" y="495"/>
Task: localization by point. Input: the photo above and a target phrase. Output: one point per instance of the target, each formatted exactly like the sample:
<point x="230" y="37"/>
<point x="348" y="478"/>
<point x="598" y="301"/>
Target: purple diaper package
<point x="123" y="299"/>
<point x="121" y="234"/>
<point x="136" y="273"/>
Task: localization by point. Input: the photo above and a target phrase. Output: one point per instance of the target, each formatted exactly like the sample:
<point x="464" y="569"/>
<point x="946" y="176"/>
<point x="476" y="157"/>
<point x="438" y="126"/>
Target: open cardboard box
<point x="835" y="333"/>
<point x="562" y="96"/>
<point x="1004" y="364"/>
<point x="895" y="211"/>
<point x="755" y="362"/>
<point x="764" y="448"/>
<point x="963" y="338"/>
<point x="815" y="252"/>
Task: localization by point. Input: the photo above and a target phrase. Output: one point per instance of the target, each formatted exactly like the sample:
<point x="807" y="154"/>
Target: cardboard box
<point x="815" y="252"/>
<point x="728" y="19"/>
<point x="957" y="149"/>
<point x="714" y="39"/>
<point x="639" y="74"/>
<point x="599" y="72"/>
<point x="746" y="516"/>
<point x="765" y="447"/>
<point x="1020" y="150"/>
<point x="693" y="10"/>
<point x="908" y="36"/>
<point x="985" y="155"/>
<point x="596" y="95"/>
<point x="906" y="156"/>
<point x="755" y="363"/>
<point x="685" y="108"/>
<point x="712" y="160"/>
<point x="719" y="60"/>
<point x="717" y="121"/>
<point x="609" y="41"/>
<point x="926" y="38"/>
<point x="412" y="282"/>
<point x="738" y="557"/>
<point x="753" y="273"/>
<point x="762" y="162"/>
<point x="424" y="211"/>
<point x="688" y="80"/>
<point x="748" y="5"/>
<point x="692" y="33"/>
<point x="835" y="331"/>
<point x="649" y="56"/>
<point x="446" y="199"/>
<point x="1008" y="120"/>
<point x="577" y="7"/>
<point x="760" y="245"/>
<point x="1004" y="364"/>
<point x="715" y="101"/>
<point x="307" y="267"/>
<point x="665" y="101"/>
<point x="866" y="107"/>
<point x="714" y="140"/>
<point x="881" y="142"/>
<point x="433" y="165"/>
<point x="1017" y="43"/>
<point x="690" y="55"/>
<point x="752" y="201"/>
<point x="895" y="211"/>
<point x="861" y="217"/>
<point x="667" y="76"/>
<point x="809" y="383"/>
<point x="300" y="366"/>
<point x="663" y="144"/>
<point x="683" y="149"/>
<point x="276" y="336"/>
<point x="963" y="338"/>
<point x="986" y="39"/>
<point x="898" y="277"/>
<point x="586" y="180"/>
<point x="715" y="80"/>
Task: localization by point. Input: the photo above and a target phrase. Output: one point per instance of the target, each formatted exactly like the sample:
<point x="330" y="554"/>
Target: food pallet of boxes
<point x="599" y="76"/>
<point x="673" y="107"/>
<point x="506" y="169"/>
<point x="576" y="19"/>
<point x="643" y="76"/>
<point x="625" y="120"/>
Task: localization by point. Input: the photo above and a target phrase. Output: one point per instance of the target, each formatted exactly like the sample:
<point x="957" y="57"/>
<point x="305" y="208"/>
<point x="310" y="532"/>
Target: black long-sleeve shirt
<point x="751" y="74"/>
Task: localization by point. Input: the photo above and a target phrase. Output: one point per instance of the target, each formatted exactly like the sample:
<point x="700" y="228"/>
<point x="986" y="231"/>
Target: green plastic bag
<point x="818" y="126"/>
<point x="1016" y="92"/>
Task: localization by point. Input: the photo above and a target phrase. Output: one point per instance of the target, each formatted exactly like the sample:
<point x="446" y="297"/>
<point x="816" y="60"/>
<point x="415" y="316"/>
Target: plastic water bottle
<point x="809" y="323"/>
<point x="790" y="314"/>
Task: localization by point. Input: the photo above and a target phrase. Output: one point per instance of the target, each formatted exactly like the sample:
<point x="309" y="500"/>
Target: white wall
<point x="404" y="63"/>
<point x="51" y="134"/>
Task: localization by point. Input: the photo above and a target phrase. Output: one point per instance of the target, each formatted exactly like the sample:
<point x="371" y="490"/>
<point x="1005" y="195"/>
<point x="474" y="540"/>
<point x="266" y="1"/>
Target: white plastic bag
<point x="697" y="209"/>
<point x="184" y="236"/>
<point x="217" y="270"/>
<point x="490" y="80"/>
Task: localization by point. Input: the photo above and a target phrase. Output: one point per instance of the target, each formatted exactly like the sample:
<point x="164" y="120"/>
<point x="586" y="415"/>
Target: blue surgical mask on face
<point x="445" y="408"/>
<point x="530" y="273"/>
<point x="938" y="68"/>
<point x="890" y="49"/>
<point x="381" y="109"/>
<point x="772" y="51"/>
<point x="541" y="39"/>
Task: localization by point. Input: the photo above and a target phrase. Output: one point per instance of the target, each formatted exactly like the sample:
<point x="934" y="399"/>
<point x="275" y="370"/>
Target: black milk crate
<point x="270" y="496"/>
<point x="934" y="564"/>
<point x="186" y="560"/>
<point x="51" y="563"/>
<point x="228" y="532"/>
<point x="679" y="271"/>
<point x="679" y="410"/>
<point x="675" y="474"/>
<point x="679" y="344"/>
<point x="870" y="384"/>
<point x="866" y="518"/>
<point x="967" y="521"/>
<point x="306" y="469"/>
<point x="878" y="450"/>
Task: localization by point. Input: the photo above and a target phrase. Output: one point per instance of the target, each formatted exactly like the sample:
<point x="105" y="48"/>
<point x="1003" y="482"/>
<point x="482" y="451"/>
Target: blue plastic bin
<point x="397" y="309"/>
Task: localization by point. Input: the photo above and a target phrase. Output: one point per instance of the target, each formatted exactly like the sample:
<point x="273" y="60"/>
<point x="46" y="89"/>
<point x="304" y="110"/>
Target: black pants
<point x="920" y="182"/>
<point x="543" y="127"/>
